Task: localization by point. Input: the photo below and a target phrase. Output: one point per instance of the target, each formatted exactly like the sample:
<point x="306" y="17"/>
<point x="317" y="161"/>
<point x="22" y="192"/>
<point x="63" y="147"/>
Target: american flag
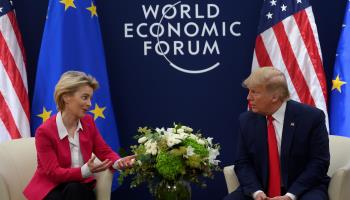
<point x="288" y="40"/>
<point x="14" y="103"/>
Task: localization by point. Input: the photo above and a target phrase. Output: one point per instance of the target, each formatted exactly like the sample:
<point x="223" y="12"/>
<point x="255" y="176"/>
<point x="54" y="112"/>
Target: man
<point x="283" y="147"/>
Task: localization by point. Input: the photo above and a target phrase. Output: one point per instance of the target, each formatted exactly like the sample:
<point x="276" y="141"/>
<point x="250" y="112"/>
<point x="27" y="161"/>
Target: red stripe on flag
<point x="7" y="118"/>
<point x="12" y="18"/>
<point x="262" y="56"/>
<point x="308" y="36"/>
<point x="14" y="74"/>
<point x="292" y="66"/>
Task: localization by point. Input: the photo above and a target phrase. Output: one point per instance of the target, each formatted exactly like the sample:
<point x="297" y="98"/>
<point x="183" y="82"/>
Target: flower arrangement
<point x="172" y="154"/>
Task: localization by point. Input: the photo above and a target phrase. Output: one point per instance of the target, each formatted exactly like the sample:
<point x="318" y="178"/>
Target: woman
<point x="65" y="143"/>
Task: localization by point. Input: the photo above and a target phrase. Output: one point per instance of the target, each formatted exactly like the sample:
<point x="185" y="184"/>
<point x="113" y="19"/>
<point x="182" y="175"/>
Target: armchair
<point x="339" y="170"/>
<point x="17" y="165"/>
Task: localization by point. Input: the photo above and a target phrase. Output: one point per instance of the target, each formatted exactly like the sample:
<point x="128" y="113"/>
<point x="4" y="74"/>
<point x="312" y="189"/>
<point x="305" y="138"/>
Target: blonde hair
<point x="69" y="83"/>
<point x="271" y="78"/>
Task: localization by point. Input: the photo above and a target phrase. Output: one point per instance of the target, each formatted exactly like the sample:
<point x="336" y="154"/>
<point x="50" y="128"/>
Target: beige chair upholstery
<point x="18" y="163"/>
<point x="339" y="170"/>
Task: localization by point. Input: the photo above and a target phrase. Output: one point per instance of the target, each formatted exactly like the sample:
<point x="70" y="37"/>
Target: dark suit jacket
<point x="54" y="157"/>
<point x="304" y="150"/>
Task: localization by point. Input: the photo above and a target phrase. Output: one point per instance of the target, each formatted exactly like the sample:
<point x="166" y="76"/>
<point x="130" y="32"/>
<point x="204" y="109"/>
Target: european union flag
<point x="340" y="95"/>
<point x="72" y="41"/>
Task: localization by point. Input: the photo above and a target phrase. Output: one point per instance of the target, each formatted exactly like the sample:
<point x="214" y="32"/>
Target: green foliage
<point x="167" y="170"/>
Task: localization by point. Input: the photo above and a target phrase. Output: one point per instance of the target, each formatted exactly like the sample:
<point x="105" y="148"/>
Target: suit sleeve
<point x="100" y="148"/>
<point x="319" y="158"/>
<point x="49" y="162"/>
<point x="244" y="166"/>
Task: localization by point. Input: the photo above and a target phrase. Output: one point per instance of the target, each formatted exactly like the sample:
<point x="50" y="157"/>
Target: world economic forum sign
<point x="182" y="34"/>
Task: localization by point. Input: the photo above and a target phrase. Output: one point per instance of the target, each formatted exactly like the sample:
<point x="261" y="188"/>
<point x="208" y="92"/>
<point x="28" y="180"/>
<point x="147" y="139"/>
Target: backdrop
<point x="197" y="82"/>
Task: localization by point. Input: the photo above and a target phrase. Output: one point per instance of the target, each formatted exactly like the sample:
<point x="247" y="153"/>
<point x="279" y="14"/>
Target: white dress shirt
<point x="74" y="144"/>
<point x="278" y="117"/>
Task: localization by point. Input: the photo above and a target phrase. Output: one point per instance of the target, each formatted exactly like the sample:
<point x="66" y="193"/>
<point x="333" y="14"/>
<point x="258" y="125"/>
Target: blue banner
<point x="72" y="41"/>
<point x="340" y="95"/>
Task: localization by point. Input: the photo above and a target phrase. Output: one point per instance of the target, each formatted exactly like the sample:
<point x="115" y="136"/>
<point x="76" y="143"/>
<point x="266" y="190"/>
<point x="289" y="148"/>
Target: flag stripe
<point x="273" y="49"/>
<point x="292" y="66"/>
<point x="4" y="136"/>
<point x="307" y="34"/>
<point x="13" y="103"/>
<point x="7" y="119"/>
<point x="9" y="37"/>
<point x="304" y="59"/>
<point x="262" y="55"/>
<point x="12" y="18"/>
<point x="14" y="75"/>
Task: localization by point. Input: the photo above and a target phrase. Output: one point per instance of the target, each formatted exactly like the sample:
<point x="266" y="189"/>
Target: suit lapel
<point x="84" y="141"/>
<point x="261" y="138"/>
<point x="290" y="120"/>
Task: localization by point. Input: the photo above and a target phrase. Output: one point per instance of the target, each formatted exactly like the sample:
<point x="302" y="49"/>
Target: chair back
<point x="340" y="153"/>
<point x="18" y="163"/>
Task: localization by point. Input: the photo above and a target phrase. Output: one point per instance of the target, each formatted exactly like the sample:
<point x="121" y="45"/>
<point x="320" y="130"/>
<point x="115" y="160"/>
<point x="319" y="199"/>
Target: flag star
<point x="98" y="112"/>
<point x="299" y="1"/>
<point x="269" y="15"/>
<point x="284" y="7"/>
<point x="1" y="9"/>
<point x="92" y="9"/>
<point x="342" y="26"/>
<point x="68" y="3"/>
<point x="337" y="83"/>
<point x="273" y="2"/>
<point x="11" y="2"/>
<point x="45" y="114"/>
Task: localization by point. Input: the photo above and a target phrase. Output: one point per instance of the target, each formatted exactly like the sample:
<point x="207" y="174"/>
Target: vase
<point x="172" y="190"/>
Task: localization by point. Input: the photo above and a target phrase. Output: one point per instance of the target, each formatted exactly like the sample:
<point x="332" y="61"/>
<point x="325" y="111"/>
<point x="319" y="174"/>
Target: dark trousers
<point x="72" y="191"/>
<point x="314" y="194"/>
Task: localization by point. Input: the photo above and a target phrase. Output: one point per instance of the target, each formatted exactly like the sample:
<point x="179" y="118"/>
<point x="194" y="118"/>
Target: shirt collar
<point x="279" y="114"/>
<point x="62" y="131"/>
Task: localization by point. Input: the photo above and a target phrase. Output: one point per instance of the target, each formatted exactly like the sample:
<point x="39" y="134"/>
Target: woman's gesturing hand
<point x="98" y="167"/>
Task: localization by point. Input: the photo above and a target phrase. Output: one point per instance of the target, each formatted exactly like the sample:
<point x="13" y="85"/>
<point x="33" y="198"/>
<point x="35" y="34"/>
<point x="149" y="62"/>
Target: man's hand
<point x="98" y="167"/>
<point x="126" y="162"/>
<point x="260" y="196"/>
<point x="285" y="197"/>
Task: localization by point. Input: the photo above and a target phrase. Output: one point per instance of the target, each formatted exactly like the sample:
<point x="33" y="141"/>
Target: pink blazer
<point x="54" y="158"/>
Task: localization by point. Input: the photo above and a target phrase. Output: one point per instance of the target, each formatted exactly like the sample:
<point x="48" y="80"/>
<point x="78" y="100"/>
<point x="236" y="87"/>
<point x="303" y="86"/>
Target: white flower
<point x="170" y="130"/>
<point x="160" y="130"/>
<point x="180" y="130"/>
<point x="210" y="141"/>
<point x="193" y="136"/>
<point x="151" y="147"/>
<point x="187" y="129"/>
<point x="172" y="139"/>
<point x="142" y="140"/>
<point x="190" y="151"/>
<point x="183" y="135"/>
<point x="201" y="141"/>
<point x="213" y="153"/>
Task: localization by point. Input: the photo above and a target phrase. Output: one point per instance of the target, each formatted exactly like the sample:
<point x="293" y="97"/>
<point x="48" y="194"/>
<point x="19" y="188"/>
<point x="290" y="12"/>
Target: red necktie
<point x="274" y="188"/>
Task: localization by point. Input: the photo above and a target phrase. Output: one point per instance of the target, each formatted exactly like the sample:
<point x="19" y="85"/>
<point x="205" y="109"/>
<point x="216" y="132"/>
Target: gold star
<point x="92" y="9"/>
<point x="98" y="112"/>
<point x="337" y="83"/>
<point x="68" y="3"/>
<point x="45" y="114"/>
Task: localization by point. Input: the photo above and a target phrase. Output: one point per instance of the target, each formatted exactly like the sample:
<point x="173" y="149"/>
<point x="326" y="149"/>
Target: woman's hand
<point x="126" y="162"/>
<point x="98" y="167"/>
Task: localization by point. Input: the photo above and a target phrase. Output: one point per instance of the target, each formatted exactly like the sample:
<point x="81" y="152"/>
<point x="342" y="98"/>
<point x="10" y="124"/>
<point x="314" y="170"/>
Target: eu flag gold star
<point x="92" y="9"/>
<point x="98" y="112"/>
<point x="45" y="114"/>
<point x="68" y="3"/>
<point x="337" y="83"/>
